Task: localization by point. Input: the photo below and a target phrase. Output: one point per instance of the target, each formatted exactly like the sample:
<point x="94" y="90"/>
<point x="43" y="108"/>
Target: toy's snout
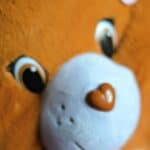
<point x="92" y="103"/>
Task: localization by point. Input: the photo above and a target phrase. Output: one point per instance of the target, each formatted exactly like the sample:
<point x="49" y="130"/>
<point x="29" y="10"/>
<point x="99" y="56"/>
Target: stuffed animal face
<point x="68" y="122"/>
<point x="40" y="37"/>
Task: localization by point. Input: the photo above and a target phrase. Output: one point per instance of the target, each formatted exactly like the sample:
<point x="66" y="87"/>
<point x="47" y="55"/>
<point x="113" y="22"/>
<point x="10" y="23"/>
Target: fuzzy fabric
<point x="134" y="53"/>
<point x="68" y="123"/>
<point x="52" y="32"/>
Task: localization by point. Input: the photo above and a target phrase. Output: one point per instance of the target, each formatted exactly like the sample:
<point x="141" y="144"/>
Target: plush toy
<point x="56" y="86"/>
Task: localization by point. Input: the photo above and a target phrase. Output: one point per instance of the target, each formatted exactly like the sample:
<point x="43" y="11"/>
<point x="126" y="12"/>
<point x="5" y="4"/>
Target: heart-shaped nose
<point x="102" y="98"/>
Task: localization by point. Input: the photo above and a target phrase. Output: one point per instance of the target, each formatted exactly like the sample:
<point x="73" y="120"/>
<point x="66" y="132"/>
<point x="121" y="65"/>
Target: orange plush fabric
<point x="52" y="32"/>
<point x="134" y="52"/>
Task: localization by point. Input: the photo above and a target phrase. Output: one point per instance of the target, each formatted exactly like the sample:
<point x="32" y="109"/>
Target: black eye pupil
<point x="107" y="45"/>
<point x="33" y="80"/>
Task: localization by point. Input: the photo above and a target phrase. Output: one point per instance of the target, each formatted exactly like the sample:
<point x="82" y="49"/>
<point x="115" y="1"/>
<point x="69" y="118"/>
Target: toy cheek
<point x="129" y="2"/>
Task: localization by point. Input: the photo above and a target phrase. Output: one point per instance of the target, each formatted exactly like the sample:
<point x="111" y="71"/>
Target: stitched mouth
<point x="79" y="146"/>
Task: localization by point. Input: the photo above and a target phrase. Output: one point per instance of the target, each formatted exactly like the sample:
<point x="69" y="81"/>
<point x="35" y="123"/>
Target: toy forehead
<point x="55" y="30"/>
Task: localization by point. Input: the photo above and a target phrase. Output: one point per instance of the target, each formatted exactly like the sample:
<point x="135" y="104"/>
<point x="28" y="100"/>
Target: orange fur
<point x="134" y="52"/>
<point x="52" y="32"/>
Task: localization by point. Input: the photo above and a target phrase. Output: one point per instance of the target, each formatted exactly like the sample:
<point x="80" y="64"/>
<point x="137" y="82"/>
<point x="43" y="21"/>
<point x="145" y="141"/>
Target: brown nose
<point x="102" y="98"/>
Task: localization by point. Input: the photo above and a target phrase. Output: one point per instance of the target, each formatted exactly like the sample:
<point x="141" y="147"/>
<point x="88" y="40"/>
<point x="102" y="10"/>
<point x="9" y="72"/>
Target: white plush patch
<point x="69" y="123"/>
<point x="129" y="2"/>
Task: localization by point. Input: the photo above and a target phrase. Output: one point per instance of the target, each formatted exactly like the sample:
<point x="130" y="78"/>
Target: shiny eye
<point x="106" y="36"/>
<point x="29" y="73"/>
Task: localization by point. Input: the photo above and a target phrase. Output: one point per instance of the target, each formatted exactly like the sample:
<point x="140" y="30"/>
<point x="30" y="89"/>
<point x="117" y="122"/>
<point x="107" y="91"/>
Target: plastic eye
<point x="29" y="73"/>
<point x="106" y="36"/>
